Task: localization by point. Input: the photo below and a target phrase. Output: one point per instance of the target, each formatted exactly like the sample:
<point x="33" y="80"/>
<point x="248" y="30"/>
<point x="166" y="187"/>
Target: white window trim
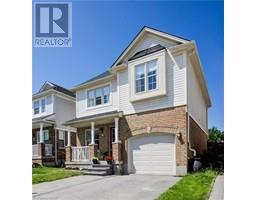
<point x="101" y="105"/>
<point x="161" y="89"/>
<point x="146" y="77"/>
<point x="40" y="105"/>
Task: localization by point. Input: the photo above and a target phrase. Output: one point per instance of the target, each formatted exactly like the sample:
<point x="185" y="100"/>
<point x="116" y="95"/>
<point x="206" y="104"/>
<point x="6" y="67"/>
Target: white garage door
<point x="152" y="154"/>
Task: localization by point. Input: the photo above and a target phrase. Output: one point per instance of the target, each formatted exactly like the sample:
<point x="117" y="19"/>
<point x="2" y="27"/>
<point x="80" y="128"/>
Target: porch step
<point x="101" y="165"/>
<point x="98" y="173"/>
<point x="99" y="169"/>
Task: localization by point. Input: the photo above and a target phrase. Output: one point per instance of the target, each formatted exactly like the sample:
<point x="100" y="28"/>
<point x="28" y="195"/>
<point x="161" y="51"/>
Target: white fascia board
<point x="89" y="84"/>
<point x="166" y="35"/>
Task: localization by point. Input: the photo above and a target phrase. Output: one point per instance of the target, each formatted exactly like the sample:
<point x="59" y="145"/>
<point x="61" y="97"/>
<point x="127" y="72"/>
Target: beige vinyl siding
<point x="176" y="89"/>
<point x="64" y="110"/>
<point x="196" y="103"/>
<point x="81" y="102"/>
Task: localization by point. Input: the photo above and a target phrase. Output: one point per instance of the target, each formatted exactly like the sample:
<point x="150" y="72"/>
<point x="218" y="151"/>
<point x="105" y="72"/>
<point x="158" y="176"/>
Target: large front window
<point x="88" y="138"/>
<point x="61" y="139"/>
<point x="146" y="74"/>
<point x="46" y="136"/>
<point x="98" y="96"/>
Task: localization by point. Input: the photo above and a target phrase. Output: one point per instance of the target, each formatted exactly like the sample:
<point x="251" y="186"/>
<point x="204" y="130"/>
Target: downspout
<point x="56" y="148"/>
<point x="189" y="145"/>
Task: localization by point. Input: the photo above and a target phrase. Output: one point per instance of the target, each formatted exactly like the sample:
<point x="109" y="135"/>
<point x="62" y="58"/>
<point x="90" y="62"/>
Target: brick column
<point x="93" y="150"/>
<point x="68" y="154"/>
<point x="116" y="151"/>
<point x="117" y="158"/>
<point x="40" y="147"/>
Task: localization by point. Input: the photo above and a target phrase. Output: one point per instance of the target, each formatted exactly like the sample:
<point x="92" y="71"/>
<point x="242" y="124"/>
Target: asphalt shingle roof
<point x="102" y="75"/>
<point x="147" y="52"/>
<point x="49" y="85"/>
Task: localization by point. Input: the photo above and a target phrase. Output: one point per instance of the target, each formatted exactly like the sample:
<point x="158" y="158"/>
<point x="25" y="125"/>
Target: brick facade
<point x="68" y="154"/>
<point x="104" y="138"/>
<point x="169" y="121"/>
<point x="198" y="138"/>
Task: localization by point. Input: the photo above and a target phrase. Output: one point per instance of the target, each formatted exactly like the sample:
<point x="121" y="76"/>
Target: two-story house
<point x="148" y="111"/>
<point x="51" y="106"/>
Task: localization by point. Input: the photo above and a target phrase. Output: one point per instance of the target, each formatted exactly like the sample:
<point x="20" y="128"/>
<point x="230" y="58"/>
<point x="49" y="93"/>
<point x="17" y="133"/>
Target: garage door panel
<point x="152" y="154"/>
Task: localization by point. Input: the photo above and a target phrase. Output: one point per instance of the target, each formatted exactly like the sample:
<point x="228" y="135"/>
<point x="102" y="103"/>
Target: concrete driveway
<point x="108" y="187"/>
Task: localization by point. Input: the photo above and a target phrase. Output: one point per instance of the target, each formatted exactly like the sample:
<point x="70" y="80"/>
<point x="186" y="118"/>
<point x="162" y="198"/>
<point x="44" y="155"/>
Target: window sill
<point x="147" y="95"/>
<point x="99" y="106"/>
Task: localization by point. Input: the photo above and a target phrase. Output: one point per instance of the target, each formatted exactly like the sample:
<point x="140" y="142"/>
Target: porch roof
<point x="47" y="119"/>
<point x="96" y="118"/>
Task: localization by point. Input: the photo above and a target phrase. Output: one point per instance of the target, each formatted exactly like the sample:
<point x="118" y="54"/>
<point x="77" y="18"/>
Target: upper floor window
<point x="151" y="72"/>
<point x="39" y="106"/>
<point x="140" y="78"/>
<point x="146" y="74"/>
<point x="43" y="105"/>
<point x="98" y="96"/>
<point x="36" y="107"/>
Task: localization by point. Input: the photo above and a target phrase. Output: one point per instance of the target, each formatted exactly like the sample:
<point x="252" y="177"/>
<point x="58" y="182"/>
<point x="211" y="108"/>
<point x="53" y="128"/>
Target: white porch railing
<point x="48" y="149"/>
<point x="80" y="153"/>
<point x="34" y="150"/>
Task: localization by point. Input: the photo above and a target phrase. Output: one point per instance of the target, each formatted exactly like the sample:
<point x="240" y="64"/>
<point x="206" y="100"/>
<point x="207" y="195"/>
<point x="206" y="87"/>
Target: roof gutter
<point x="119" y="114"/>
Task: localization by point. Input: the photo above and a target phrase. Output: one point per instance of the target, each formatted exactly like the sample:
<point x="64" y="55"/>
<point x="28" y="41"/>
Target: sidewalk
<point x="218" y="189"/>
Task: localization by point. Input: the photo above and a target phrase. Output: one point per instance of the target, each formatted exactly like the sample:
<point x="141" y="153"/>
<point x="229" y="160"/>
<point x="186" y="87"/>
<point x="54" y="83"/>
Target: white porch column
<point x="116" y="130"/>
<point x="41" y="134"/>
<point x="92" y="133"/>
<point x="69" y="137"/>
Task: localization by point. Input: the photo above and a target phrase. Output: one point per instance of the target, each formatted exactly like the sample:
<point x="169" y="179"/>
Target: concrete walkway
<point x="129" y="187"/>
<point x="218" y="189"/>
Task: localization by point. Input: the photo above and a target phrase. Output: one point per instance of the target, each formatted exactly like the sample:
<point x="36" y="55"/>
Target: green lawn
<point x="44" y="174"/>
<point x="194" y="186"/>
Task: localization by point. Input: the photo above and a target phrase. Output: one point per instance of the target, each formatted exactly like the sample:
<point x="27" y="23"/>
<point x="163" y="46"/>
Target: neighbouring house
<point x="52" y="106"/>
<point x="147" y="112"/>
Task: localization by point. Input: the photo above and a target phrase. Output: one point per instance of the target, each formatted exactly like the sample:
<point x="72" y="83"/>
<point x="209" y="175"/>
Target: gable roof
<point x="49" y="85"/>
<point x="144" y="30"/>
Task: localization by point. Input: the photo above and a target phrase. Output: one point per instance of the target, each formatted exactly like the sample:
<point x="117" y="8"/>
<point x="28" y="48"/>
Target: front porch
<point x="97" y="137"/>
<point x="48" y="142"/>
<point x="43" y="142"/>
